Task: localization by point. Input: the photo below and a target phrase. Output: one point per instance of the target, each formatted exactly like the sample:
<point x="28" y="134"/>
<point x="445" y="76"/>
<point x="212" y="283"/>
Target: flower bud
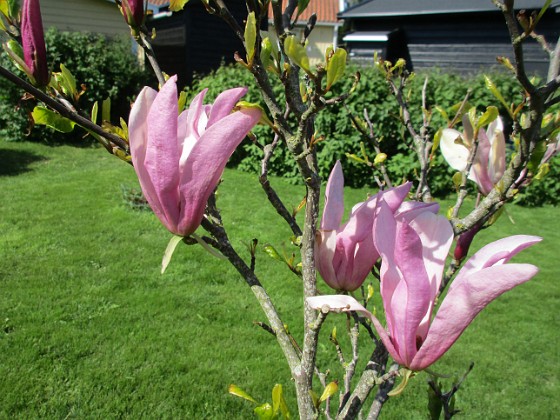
<point x="133" y="12"/>
<point x="33" y="42"/>
<point x="464" y="242"/>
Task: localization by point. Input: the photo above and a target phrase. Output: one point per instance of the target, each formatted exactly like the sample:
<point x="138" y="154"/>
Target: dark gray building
<point x="464" y="35"/>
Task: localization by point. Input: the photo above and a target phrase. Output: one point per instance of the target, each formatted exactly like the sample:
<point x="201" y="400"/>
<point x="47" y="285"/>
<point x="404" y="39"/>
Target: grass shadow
<point x="15" y="162"/>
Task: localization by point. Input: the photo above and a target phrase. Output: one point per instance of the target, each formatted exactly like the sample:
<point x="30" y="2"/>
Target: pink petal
<point x="194" y="112"/>
<point x="224" y="104"/>
<point x="206" y="162"/>
<point x="334" y="199"/>
<point x="436" y="235"/>
<point x="138" y="139"/>
<point x="325" y="246"/>
<point x="498" y="252"/>
<point x="162" y="152"/>
<point x="468" y="296"/>
<point x="343" y="303"/>
<point x="497" y="157"/>
<point x="410" y="304"/>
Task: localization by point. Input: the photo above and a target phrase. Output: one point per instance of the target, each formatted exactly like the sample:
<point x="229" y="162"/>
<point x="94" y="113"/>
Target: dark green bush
<point x="106" y="67"/>
<point x="443" y="90"/>
<point x="543" y="191"/>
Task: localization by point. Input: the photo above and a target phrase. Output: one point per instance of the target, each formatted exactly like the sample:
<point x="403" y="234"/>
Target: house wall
<point x="464" y="42"/>
<point x="99" y="16"/>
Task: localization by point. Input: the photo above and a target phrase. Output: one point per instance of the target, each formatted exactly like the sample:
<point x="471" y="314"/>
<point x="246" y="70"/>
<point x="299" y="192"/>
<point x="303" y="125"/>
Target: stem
<point x="147" y="45"/>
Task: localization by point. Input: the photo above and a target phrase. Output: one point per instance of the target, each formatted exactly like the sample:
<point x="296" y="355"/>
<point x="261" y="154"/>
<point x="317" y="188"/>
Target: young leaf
<point x="250" y="37"/>
<point x="329" y="391"/>
<point x="490" y="115"/>
<point x="264" y="412"/>
<point x="68" y="81"/>
<point x="44" y="116"/>
<point x="171" y="246"/>
<point x="297" y="53"/>
<point x="271" y="252"/>
<point x="177" y="5"/>
<point x="106" y="110"/>
<point x="279" y="403"/>
<point x="336" y="67"/>
<point x="238" y="392"/>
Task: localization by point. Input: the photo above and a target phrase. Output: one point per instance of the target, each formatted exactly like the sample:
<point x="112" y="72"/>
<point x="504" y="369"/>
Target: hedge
<point x="106" y="67"/>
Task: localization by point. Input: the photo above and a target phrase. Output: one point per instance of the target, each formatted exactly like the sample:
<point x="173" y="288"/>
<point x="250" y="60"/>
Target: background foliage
<point x="107" y="67"/>
<point x="444" y="90"/>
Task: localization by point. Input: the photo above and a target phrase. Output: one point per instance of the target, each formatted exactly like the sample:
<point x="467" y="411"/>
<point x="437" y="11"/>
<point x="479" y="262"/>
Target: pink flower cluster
<point x="413" y="242"/>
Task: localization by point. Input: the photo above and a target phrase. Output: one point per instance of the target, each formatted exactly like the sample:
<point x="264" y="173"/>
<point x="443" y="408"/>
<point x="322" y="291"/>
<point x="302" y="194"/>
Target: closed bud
<point x="464" y="242"/>
<point x="133" y="12"/>
<point x="33" y="42"/>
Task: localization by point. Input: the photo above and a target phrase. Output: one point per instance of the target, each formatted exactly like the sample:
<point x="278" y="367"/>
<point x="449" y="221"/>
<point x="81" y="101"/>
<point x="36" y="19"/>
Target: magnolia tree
<point x="395" y="241"/>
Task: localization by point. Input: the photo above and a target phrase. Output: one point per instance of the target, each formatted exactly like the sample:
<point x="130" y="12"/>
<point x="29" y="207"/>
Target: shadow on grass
<point x="15" y="162"/>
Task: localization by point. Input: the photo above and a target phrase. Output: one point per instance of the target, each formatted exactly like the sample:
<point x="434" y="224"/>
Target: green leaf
<point x="336" y="67"/>
<point x="537" y="155"/>
<point x="355" y="158"/>
<point x="380" y="158"/>
<point x="44" y="116"/>
<point x="302" y="5"/>
<point x="490" y="115"/>
<point x="297" y="53"/>
<point x="329" y="391"/>
<point x="66" y="81"/>
<point x="94" y="112"/>
<point x="106" y="110"/>
<point x="250" y="37"/>
<point x="494" y="90"/>
<point x="177" y="5"/>
<point x="182" y="101"/>
<point x="171" y="246"/>
<point x="264" y="412"/>
<point x="238" y="392"/>
<point x="271" y="252"/>
<point x="406" y="375"/>
<point x="266" y="55"/>
<point x="279" y="403"/>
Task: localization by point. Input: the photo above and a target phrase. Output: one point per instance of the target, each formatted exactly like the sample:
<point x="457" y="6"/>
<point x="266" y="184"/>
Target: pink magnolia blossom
<point x="179" y="158"/>
<point x="345" y="253"/>
<point x="489" y="162"/>
<point x="33" y="42"/>
<point x="413" y="245"/>
<point x="133" y="12"/>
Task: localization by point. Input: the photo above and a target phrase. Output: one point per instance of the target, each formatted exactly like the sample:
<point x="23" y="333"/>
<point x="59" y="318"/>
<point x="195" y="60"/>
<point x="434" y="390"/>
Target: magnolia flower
<point x="489" y="162"/>
<point x="133" y="12"/>
<point x="33" y="42"/>
<point x="179" y="158"/>
<point x="345" y="253"/>
<point x="413" y="245"/>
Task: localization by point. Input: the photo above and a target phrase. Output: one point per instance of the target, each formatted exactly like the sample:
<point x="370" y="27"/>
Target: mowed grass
<point x="91" y="329"/>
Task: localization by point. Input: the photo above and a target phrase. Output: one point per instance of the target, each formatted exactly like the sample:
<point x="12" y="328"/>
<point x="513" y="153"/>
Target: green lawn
<point x="90" y="329"/>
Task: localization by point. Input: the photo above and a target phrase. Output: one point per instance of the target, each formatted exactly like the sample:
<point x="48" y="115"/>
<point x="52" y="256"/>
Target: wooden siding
<point x="466" y="43"/>
<point x="193" y="41"/>
<point x="99" y="16"/>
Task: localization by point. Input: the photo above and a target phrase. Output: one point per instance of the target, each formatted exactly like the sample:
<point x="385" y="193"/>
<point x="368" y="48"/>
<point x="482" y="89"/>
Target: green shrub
<point x="443" y="90"/>
<point x="106" y="67"/>
<point x="543" y="191"/>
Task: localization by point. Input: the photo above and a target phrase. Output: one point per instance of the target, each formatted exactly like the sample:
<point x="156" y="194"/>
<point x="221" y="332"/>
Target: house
<point x="463" y="35"/>
<point x="100" y="16"/>
<point x="192" y="41"/>
<point x="326" y="29"/>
